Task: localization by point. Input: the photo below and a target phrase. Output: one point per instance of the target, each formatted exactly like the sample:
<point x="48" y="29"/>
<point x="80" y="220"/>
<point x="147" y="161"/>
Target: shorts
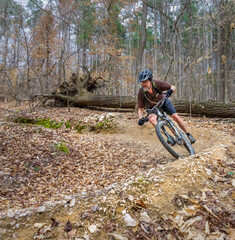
<point x="168" y="107"/>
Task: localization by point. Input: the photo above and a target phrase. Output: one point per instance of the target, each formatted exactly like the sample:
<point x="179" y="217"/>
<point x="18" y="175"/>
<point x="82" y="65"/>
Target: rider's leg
<point x="153" y="119"/>
<point x="183" y="126"/>
<point x="180" y="122"/>
<point x="170" y="110"/>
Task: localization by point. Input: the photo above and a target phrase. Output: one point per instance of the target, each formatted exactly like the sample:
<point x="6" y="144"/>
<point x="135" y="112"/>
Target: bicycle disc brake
<point x="179" y="140"/>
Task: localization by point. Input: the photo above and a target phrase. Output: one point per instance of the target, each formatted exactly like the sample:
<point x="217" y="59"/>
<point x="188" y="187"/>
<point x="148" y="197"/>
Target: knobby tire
<point x="168" y="147"/>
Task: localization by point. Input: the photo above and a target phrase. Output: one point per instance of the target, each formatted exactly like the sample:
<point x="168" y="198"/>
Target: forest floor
<point x="91" y="174"/>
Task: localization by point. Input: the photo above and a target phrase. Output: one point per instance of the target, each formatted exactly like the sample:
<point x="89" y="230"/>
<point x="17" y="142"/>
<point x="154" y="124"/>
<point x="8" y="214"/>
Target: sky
<point x="24" y="2"/>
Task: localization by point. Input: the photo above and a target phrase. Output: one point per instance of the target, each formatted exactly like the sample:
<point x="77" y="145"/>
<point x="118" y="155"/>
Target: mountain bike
<point x="173" y="139"/>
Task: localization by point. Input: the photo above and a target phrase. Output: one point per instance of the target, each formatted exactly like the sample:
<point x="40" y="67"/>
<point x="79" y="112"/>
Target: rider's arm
<point x="170" y="90"/>
<point x="173" y="88"/>
<point x="140" y="112"/>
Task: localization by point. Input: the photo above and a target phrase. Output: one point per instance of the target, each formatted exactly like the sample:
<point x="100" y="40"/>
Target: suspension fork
<point x="165" y="132"/>
<point x="173" y="129"/>
<point x="163" y="116"/>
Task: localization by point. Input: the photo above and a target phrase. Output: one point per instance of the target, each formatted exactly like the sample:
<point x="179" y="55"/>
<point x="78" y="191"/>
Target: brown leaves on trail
<point x="110" y="226"/>
<point x="194" y="220"/>
<point x="204" y="219"/>
<point x="180" y="201"/>
<point x="120" y="168"/>
<point x="36" y="170"/>
<point x="217" y="124"/>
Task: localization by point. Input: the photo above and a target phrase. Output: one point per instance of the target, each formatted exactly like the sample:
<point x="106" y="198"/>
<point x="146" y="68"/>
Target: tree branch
<point x="160" y="10"/>
<point x="174" y="22"/>
<point x="168" y="70"/>
<point x="182" y="11"/>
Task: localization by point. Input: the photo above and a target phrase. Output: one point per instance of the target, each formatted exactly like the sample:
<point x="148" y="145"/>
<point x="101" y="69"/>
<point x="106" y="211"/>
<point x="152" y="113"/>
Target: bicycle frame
<point x="179" y="142"/>
<point x="163" y="116"/>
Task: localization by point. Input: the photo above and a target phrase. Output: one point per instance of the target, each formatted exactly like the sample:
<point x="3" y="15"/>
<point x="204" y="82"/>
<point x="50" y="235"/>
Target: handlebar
<point x="153" y="109"/>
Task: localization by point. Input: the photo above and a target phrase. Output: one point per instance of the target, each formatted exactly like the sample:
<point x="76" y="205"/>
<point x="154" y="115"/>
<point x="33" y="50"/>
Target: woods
<point x="189" y="44"/>
<point x="75" y="162"/>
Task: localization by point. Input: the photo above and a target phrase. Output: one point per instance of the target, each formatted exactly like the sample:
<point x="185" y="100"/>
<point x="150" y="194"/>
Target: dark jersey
<point x="155" y="97"/>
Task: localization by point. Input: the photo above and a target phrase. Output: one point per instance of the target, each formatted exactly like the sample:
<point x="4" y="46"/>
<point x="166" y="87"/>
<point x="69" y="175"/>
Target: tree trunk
<point x="89" y="99"/>
<point x="214" y="109"/>
<point x="142" y="42"/>
<point x="155" y="46"/>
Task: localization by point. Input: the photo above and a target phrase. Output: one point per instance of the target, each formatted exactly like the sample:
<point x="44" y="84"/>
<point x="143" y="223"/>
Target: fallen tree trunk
<point x="214" y="109"/>
<point x="90" y="99"/>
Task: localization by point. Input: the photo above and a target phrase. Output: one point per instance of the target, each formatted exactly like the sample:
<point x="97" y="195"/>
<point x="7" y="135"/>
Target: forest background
<point x="189" y="44"/>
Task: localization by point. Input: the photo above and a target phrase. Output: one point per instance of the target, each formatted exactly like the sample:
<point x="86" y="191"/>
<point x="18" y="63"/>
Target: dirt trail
<point x="146" y="171"/>
<point x="145" y="135"/>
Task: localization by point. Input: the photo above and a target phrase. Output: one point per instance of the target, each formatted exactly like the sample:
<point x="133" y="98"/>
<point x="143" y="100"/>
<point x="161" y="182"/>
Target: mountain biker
<point x="150" y="93"/>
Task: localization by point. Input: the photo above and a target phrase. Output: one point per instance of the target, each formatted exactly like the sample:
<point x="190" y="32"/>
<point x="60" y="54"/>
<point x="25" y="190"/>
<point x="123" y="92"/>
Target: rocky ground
<point x="92" y="174"/>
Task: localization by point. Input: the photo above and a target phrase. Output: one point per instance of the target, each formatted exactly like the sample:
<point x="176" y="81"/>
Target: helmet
<point x="145" y="75"/>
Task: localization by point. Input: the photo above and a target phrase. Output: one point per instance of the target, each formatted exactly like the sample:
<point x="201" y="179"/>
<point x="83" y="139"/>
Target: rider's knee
<point x="175" y="116"/>
<point x="153" y="119"/>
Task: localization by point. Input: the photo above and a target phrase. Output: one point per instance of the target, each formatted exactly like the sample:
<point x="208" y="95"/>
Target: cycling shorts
<point x="168" y="107"/>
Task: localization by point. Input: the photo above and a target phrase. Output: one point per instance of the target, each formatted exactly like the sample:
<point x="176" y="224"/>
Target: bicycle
<point x="173" y="139"/>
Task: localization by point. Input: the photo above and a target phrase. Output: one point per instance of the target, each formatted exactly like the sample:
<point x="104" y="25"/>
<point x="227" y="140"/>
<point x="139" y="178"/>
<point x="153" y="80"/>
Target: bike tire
<point x="174" y="151"/>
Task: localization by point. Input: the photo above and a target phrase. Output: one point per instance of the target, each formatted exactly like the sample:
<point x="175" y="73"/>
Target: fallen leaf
<point x="54" y="223"/>
<point x="138" y="204"/>
<point x="68" y="226"/>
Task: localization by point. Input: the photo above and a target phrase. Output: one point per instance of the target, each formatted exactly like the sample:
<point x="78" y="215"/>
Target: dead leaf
<point x="207" y="228"/>
<point x="224" y="59"/>
<point x="68" y="226"/>
<point x="54" y="223"/>
<point x="209" y="211"/>
<point x="189" y="223"/>
<point x="232" y="26"/>
<point x="190" y="211"/>
<point x="139" y="204"/>
<point x="209" y="70"/>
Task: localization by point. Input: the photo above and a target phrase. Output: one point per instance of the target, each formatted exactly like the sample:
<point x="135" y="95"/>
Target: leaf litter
<point x="113" y="175"/>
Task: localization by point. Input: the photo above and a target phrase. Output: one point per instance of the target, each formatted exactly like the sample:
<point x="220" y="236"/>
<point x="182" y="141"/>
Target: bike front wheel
<point x="176" y="144"/>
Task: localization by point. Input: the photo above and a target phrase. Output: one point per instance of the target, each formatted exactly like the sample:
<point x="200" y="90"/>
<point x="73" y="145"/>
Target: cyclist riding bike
<point x="151" y="92"/>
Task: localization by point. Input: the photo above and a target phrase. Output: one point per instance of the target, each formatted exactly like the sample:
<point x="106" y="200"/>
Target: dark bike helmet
<point x="145" y="75"/>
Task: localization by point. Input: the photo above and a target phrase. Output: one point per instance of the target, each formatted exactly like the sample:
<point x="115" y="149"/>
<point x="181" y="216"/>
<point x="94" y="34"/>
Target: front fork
<point x="174" y="130"/>
<point x="166" y="133"/>
<point x="161" y="116"/>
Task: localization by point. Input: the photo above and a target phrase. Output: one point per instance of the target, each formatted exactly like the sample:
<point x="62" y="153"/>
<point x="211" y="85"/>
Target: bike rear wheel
<point x="181" y="148"/>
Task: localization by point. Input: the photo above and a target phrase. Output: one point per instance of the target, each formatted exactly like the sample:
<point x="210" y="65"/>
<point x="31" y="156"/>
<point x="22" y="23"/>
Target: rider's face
<point x="146" y="84"/>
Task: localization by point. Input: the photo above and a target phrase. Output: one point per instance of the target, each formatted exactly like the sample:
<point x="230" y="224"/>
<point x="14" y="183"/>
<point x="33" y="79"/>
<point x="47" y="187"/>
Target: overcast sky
<point x="24" y="2"/>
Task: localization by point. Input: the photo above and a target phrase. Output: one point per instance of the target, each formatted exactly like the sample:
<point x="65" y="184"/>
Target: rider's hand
<point x="141" y="122"/>
<point x="169" y="92"/>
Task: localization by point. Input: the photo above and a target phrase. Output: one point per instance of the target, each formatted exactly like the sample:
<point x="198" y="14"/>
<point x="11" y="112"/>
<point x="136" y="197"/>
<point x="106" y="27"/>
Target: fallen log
<point x="210" y="109"/>
<point x="90" y="99"/>
<point x="213" y="109"/>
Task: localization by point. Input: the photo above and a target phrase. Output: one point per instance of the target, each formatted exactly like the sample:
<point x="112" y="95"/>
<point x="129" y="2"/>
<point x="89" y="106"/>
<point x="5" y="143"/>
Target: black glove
<point x="169" y="92"/>
<point x="141" y="122"/>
